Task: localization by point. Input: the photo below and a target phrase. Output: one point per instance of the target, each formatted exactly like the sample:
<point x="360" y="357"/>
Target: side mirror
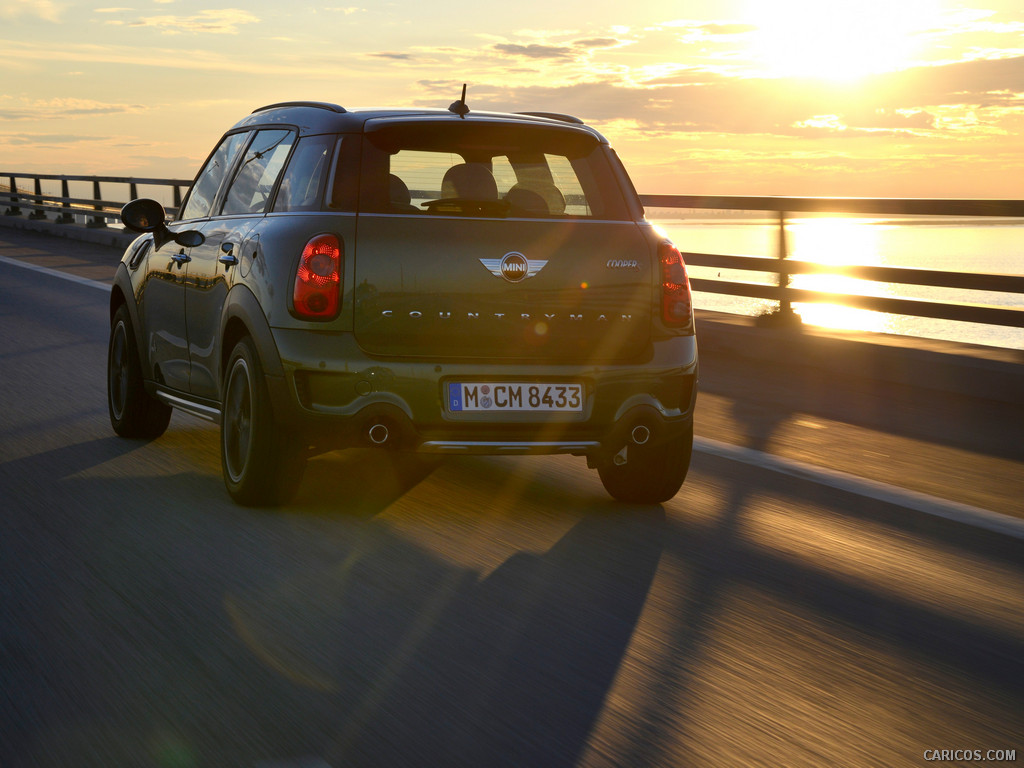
<point x="145" y="215"/>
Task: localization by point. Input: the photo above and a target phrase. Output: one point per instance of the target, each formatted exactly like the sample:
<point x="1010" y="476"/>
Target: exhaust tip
<point x="378" y="434"/>
<point x="641" y="434"/>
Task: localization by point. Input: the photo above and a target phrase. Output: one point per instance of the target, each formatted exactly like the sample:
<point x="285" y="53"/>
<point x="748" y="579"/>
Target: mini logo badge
<point x="513" y="266"/>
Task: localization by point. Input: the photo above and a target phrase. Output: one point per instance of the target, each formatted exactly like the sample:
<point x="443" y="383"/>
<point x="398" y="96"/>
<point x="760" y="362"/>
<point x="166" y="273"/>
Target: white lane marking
<point x="56" y="273"/>
<point x="872" y="489"/>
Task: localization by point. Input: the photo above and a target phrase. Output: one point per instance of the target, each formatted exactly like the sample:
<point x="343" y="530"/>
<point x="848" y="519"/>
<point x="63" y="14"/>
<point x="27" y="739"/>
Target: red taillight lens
<point x="676" y="304"/>
<point x="317" y="294"/>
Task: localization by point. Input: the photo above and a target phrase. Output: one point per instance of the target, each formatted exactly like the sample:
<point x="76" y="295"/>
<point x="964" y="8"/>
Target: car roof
<point x="314" y="117"/>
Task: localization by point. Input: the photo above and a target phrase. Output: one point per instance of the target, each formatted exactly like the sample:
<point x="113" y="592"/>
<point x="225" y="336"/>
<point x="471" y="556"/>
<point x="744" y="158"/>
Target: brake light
<point x="317" y="293"/>
<point x="676" y="304"/>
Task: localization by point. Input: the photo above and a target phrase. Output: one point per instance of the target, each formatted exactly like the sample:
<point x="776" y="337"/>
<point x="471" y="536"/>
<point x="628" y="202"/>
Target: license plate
<point x="515" y="396"/>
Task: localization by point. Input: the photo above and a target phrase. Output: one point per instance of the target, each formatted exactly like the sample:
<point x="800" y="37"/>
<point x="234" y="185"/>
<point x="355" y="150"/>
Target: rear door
<point x="512" y="243"/>
<point x="211" y="269"/>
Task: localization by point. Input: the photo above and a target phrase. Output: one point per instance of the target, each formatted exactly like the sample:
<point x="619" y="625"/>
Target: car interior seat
<point x="399" y="197"/>
<point x="471" y="181"/>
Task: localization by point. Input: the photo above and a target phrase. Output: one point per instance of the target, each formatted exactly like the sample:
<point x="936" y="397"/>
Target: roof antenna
<point x="459" y="107"/>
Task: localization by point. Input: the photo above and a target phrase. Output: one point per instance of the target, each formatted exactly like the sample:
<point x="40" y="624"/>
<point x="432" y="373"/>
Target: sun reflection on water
<point x="839" y="241"/>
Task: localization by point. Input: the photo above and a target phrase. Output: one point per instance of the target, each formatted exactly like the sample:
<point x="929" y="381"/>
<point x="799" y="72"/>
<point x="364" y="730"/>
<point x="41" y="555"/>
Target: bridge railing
<point x="95" y="208"/>
<point x="98" y="210"/>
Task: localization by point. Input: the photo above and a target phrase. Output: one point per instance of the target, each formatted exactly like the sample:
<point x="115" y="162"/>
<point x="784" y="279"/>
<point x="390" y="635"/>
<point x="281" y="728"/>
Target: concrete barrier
<point x="112" y="236"/>
<point x="967" y="370"/>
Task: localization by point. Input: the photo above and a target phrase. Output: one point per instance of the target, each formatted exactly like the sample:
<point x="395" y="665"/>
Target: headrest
<point x="398" y="192"/>
<point x="469" y="180"/>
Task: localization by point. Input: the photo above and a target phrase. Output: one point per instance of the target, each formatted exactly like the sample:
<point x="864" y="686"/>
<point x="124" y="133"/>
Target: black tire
<point x="652" y="474"/>
<point x="262" y="464"/>
<point x="133" y="413"/>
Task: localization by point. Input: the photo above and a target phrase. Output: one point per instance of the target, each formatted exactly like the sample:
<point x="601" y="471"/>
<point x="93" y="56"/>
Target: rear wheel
<point x="651" y="474"/>
<point x="133" y="413"/>
<point x="262" y="464"/>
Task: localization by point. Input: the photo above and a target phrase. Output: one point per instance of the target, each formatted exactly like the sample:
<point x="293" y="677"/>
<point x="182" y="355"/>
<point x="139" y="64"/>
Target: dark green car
<point x="446" y="282"/>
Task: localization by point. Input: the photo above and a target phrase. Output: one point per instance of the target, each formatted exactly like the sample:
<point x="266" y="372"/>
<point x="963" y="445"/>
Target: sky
<point x="875" y="98"/>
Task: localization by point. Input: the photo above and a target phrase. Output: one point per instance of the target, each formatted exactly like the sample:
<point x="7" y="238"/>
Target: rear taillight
<point x="317" y="294"/>
<point x="676" y="304"/>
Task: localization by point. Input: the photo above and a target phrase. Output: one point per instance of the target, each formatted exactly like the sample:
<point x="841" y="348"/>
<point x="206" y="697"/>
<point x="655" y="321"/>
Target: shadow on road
<point x="225" y="636"/>
<point x="427" y="663"/>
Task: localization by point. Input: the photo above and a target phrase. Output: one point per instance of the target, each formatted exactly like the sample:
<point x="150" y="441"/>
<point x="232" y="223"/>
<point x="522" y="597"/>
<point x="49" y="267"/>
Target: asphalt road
<point x="498" y="612"/>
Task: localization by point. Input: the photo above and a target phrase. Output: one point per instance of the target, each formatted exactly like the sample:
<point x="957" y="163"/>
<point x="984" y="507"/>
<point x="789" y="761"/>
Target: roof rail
<point x="316" y="104"/>
<point x="554" y="116"/>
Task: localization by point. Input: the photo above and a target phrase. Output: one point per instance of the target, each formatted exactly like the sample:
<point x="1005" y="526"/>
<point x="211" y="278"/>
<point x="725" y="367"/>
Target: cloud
<point x="219" y="22"/>
<point x="535" y="51"/>
<point x="45" y="139"/>
<point x="693" y="30"/>
<point x="922" y="102"/>
<point x="391" y="55"/>
<point x="598" y="42"/>
<point x="42" y="9"/>
<point x="56" y="109"/>
<point x="959" y="83"/>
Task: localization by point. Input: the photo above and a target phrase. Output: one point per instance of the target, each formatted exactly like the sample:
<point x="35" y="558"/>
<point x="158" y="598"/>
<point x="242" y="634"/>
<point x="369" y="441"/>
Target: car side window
<point x="201" y="197"/>
<point x="303" y="179"/>
<point x="254" y="181"/>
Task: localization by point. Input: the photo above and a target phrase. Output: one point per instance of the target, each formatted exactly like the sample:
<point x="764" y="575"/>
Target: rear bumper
<point x="346" y="398"/>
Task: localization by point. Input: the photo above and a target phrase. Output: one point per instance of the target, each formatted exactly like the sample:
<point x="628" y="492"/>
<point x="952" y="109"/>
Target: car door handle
<point x="181" y="258"/>
<point x="228" y="257"/>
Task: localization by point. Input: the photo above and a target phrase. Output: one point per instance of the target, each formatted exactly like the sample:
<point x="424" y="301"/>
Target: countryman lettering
<point x="443" y="314"/>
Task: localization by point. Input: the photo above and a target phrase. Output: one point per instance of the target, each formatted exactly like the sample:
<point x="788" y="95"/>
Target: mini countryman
<point x="433" y="281"/>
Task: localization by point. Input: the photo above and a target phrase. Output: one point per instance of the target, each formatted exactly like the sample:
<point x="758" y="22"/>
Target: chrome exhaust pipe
<point x="378" y="434"/>
<point x="640" y="434"/>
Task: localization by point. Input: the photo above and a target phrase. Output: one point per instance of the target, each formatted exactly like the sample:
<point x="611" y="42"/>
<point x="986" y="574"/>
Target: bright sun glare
<point x="837" y="241"/>
<point x="837" y="39"/>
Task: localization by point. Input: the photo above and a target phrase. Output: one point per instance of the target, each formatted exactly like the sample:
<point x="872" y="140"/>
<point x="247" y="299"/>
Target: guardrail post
<point x="65" y="216"/>
<point x="13" y="209"/>
<point x="177" y="197"/>
<point x="97" y="221"/>
<point x="133" y="191"/>
<point x="785" y="306"/>
<point x="38" y="213"/>
<point x="784" y="316"/>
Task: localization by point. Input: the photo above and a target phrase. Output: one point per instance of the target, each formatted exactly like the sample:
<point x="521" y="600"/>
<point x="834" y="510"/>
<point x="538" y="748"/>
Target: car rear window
<point x="503" y="170"/>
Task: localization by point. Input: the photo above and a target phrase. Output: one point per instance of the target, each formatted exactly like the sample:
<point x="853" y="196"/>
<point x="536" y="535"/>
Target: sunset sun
<point x="839" y="40"/>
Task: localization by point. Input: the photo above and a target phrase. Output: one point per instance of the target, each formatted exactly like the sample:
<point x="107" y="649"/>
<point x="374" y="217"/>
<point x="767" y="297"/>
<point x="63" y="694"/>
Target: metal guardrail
<point x="98" y="210"/>
<point x="784" y="268"/>
<point x="94" y="208"/>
